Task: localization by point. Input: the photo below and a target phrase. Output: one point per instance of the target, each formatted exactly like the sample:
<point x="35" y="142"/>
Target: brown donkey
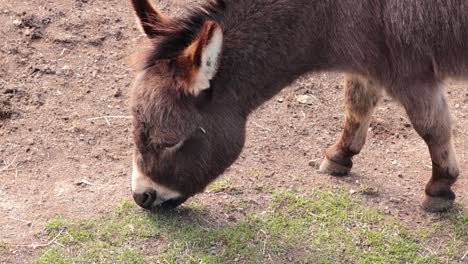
<point x="199" y="78"/>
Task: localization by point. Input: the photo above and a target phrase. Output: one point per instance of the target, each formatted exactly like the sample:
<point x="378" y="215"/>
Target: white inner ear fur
<point x="210" y="62"/>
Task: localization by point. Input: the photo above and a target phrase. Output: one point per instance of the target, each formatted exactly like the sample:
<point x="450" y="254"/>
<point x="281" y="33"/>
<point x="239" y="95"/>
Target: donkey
<point x="200" y="76"/>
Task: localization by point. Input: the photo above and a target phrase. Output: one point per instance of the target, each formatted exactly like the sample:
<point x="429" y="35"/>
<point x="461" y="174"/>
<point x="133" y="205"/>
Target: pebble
<point x="118" y="93"/>
<point x="17" y="22"/>
<point x="305" y="99"/>
<point x="66" y="70"/>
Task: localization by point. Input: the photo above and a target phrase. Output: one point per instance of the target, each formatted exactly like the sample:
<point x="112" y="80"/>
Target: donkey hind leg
<point x="361" y="97"/>
<point x="430" y="116"/>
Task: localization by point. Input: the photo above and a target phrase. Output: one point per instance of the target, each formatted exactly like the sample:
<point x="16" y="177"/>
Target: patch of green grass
<point x="99" y="241"/>
<point x="320" y="227"/>
<point x="220" y="185"/>
<point x="459" y="220"/>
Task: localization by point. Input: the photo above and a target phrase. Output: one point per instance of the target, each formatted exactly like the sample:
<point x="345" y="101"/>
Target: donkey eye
<point x="170" y="146"/>
<point x="163" y="146"/>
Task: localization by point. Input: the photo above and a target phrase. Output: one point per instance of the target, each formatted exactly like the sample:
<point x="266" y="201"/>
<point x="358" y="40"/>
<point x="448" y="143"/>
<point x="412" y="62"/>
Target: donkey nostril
<point x="146" y="199"/>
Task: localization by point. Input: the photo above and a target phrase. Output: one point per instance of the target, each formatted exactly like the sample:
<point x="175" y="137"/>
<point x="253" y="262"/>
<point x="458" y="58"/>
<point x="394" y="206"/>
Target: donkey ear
<point x="148" y="17"/>
<point x="200" y="60"/>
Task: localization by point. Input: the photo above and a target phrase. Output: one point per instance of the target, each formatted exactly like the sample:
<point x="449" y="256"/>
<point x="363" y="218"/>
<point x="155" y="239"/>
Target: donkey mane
<point x="172" y="37"/>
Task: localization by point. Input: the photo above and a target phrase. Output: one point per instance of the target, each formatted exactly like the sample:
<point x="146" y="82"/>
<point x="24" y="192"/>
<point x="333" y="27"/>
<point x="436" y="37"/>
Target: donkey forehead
<point x="164" y="117"/>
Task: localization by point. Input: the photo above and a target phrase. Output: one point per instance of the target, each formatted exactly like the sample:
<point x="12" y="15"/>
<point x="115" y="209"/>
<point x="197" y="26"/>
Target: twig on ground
<point x="63" y="51"/>
<point x="106" y="118"/>
<point x="83" y="182"/>
<point x="264" y="242"/>
<point x="43" y="245"/>
<point x="109" y="117"/>
<point x="21" y="220"/>
<point x="464" y="256"/>
<point x="259" y="126"/>
<point x="8" y="165"/>
<point x="59" y="244"/>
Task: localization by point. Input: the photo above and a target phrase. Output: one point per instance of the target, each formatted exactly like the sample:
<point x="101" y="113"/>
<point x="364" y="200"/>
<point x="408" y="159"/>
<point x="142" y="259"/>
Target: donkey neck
<point x="268" y="44"/>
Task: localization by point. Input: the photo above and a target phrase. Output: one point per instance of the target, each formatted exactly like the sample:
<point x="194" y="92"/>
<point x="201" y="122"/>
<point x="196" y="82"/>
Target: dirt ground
<point x="63" y="68"/>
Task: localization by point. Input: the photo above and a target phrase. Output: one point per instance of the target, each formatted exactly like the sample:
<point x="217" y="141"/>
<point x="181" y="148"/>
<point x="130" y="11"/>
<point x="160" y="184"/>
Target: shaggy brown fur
<point x="403" y="47"/>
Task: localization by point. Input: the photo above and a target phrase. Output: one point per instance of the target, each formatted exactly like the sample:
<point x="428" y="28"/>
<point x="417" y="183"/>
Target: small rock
<point x="66" y="70"/>
<point x="280" y="100"/>
<point x="118" y="93"/>
<point x="83" y="183"/>
<point x="305" y="99"/>
<point x="17" y="22"/>
<point x="30" y="141"/>
<point x="10" y="91"/>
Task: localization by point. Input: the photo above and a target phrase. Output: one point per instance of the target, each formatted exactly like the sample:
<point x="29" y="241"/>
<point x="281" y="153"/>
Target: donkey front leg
<point x="428" y="111"/>
<point x="361" y="97"/>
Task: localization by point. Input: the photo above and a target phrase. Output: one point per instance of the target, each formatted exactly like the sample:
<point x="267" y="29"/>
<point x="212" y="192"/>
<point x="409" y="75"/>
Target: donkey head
<point x="187" y="129"/>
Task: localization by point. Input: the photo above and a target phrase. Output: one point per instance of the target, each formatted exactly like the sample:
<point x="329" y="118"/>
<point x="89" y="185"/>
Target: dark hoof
<point x="437" y="204"/>
<point x="333" y="168"/>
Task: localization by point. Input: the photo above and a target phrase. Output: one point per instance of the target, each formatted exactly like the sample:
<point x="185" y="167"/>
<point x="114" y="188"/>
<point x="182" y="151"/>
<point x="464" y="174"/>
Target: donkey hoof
<point x="333" y="168"/>
<point x="437" y="204"/>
